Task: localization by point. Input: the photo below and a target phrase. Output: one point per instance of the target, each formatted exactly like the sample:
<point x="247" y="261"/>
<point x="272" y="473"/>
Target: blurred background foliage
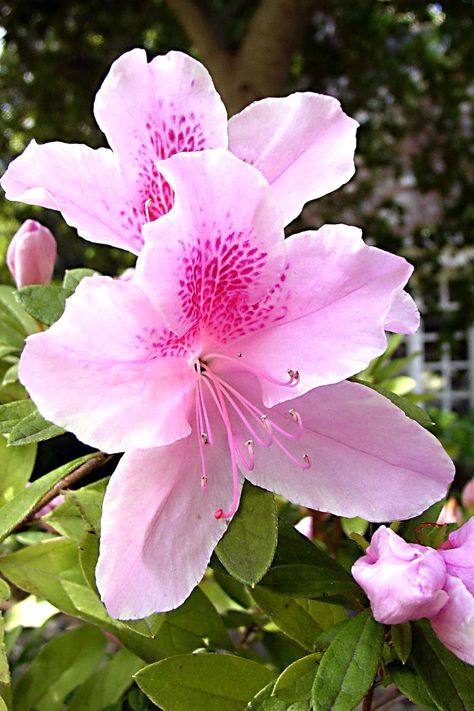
<point x="402" y="68"/>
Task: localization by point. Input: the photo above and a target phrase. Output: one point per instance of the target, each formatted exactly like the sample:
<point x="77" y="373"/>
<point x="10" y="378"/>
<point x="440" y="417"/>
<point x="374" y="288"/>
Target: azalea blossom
<point x="224" y="357"/>
<point x="406" y="581"/>
<point x="303" y="144"/>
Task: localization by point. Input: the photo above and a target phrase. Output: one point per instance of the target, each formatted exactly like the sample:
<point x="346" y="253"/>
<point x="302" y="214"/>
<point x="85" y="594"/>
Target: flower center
<point x="232" y="405"/>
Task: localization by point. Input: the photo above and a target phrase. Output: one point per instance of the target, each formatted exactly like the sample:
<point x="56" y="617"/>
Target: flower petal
<point x="303" y="144"/>
<point x="458" y="554"/>
<point x="338" y="293"/>
<point x="106" y="370"/>
<point x="85" y="185"/>
<point x="454" y="625"/>
<point x="403" y="316"/>
<point x="150" y="111"/>
<point x="221" y="245"/>
<point x="158" y="527"/>
<point x="367" y="458"/>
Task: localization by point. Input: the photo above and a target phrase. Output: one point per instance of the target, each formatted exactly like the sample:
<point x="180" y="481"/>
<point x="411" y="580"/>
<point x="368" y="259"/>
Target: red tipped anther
<point x="218" y="513"/>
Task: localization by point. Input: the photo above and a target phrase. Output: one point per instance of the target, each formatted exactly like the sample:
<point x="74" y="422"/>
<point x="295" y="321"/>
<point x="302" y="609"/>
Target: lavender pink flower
<point x="31" y="254"/>
<point x="406" y="581"/>
<point x="225" y="357"/>
<point x="303" y="144"/>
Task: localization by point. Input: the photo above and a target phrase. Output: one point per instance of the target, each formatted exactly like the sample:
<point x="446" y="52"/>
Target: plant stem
<point x="367" y="703"/>
<point x="82" y="471"/>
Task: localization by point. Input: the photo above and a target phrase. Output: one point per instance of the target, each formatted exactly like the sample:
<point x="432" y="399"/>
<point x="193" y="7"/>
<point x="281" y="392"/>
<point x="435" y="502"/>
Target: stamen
<point x="204" y="482"/>
<point x="148" y="203"/>
<point x="307" y="460"/>
<point x="204" y="438"/>
<point x="294" y="374"/>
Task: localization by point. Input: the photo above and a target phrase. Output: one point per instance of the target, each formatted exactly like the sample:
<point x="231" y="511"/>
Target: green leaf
<point x="11" y="375"/>
<point x="349" y="665"/>
<point x="12" y="412"/>
<point x="402" y="640"/>
<point x="45" y="302"/>
<point x="408" y="529"/>
<point x="203" y="682"/>
<point x="33" y="428"/>
<point x="296" y="618"/>
<point x="73" y="277"/>
<point x="296" y="682"/>
<point x="59" y="667"/>
<point x="16" y="466"/>
<point x="5" y="591"/>
<point x="260" y="698"/>
<point x="293" y="547"/>
<point x="407" y="406"/>
<point x="5" y="679"/>
<point x="107" y="685"/>
<point x="353" y="525"/>
<point x="300" y="580"/>
<point x="15" y="323"/>
<point x="449" y="681"/>
<point x="21" y="505"/>
<point x="413" y="687"/>
<point x="248" y="546"/>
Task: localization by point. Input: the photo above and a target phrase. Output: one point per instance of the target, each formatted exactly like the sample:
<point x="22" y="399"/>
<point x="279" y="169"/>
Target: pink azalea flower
<point x="31" y="254"/>
<point x="403" y="581"/>
<point x="406" y="581"/>
<point x="303" y="144"/>
<point x="190" y="368"/>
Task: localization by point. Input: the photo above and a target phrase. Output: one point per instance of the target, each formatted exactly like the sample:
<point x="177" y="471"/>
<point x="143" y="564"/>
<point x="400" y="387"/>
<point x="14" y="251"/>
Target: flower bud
<point x="468" y="495"/>
<point x="31" y="254"/>
<point x="403" y="581"/>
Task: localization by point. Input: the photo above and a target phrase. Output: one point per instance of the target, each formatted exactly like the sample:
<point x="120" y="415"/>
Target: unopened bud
<point x="31" y="254"/>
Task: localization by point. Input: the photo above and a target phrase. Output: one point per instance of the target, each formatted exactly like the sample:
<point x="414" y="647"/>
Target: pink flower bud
<point x="31" y="254"/>
<point x="454" y="625"/>
<point x="450" y="513"/>
<point x="468" y="495"/>
<point x="403" y="581"/>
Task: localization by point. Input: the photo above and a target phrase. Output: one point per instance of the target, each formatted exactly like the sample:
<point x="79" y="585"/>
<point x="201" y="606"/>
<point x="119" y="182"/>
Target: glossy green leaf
<point x="293" y="548"/>
<point x="413" y="687"/>
<point x="300" y="580"/>
<point x="409" y="528"/>
<point x="12" y="412"/>
<point x="16" y="466"/>
<point x="73" y="277"/>
<point x="107" y="685"/>
<point x="21" y="505"/>
<point x="261" y="697"/>
<point x="11" y="374"/>
<point x="248" y="546"/>
<point x="402" y="640"/>
<point x="349" y="665"/>
<point x="44" y="302"/>
<point x="5" y="678"/>
<point x="32" y="428"/>
<point x="203" y="682"/>
<point x="296" y="618"/>
<point x="59" y="667"/>
<point x="449" y="681"/>
<point x="296" y="682"/>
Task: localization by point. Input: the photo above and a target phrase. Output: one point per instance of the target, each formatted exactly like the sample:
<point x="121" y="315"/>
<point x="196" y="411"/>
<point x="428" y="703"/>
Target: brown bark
<point x="261" y="65"/>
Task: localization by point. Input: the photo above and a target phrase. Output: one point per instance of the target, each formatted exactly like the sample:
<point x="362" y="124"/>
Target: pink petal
<point x="100" y="372"/>
<point x="220" y="246"/>
<point x="85" y="185"/>
<point x="338" y="292"/>
<point x="150" y="111"/>
<point x="458" y="554"/>
<point x="158" y="527"/>
<point x="454" y="625"/>
<point x="303" y="144"/>
<point x="367" y="458"/>
<point x="403" y="316"/>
